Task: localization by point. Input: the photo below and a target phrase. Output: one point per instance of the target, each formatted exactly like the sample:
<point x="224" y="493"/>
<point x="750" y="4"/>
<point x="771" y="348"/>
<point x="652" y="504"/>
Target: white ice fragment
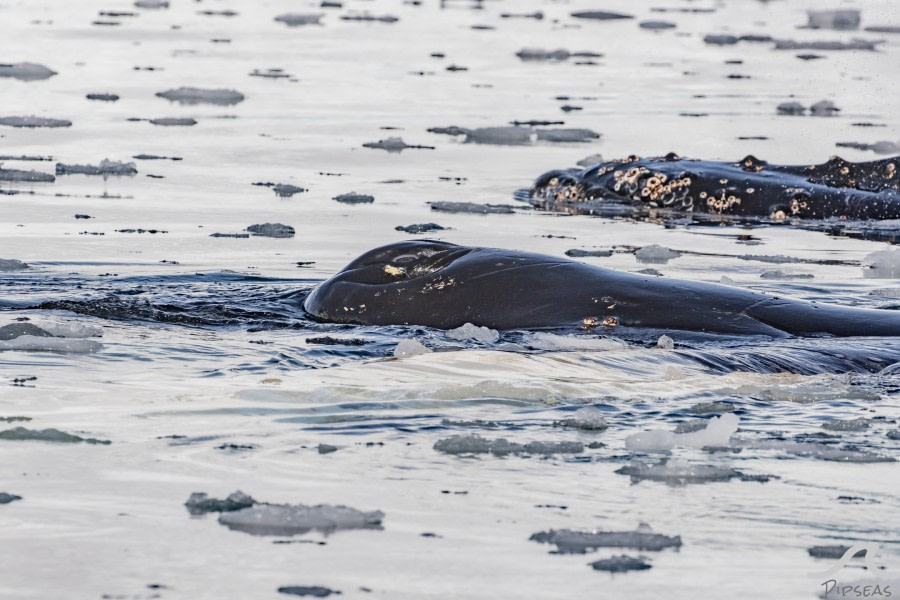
<point x="287" y="519"/>
<point x="717" y="433"/>
<point x="11" y="264"/>
<point x="572" y="343"/>
<point x="407" y="348"/>
<point x="883" y="264"/>
<point x="473" y="332"/>
<point x="25" y="71"/>
<point x="192" y="95"/>
<point x="665" y="342"/>
<point x="677" y="472"/>
<point x="72" y="330"/>
<point x="587" y="418"/>
<point x="655" y="254"/>
<point x="726" y="280"/>
<point x="51" y="344"/>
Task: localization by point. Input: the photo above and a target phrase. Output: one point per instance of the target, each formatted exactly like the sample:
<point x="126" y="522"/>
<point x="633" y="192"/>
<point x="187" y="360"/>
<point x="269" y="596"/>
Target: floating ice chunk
<point x="25" y="176"/>
<point x="407" y="348"/>
<point x="677" y="472"/>
<point x="823" y="108"/>
<point x="580" y="253"/>
<point x="587" y="418"/>
<point x="32" y="122"/>
<point x="726" y="280"/>
<point x="192" y="95"/>
<point x="500" y="136"/>
<point x="836" y="551"/>
<point x="572" y="343"/>
<point x="473" y="332"/>
<point x="26" y="71"/>
<point x="817" y="451"/>
<point x="315" y="591"/>
<point x="860" y="424"/>
<point x="590" y="161"/>
<point x="173" y="122"/>
<point x="568" y="541"/>
<point x="7" y="498"/>
<point x="51" y="344"/>
<point x="368" y="17"/>
<point x="152" y="3"/>
<point x="717" y="433"/>
<point x="883" y="264"/>
<point x="600" y="15"/>
<point x="417" y="228"/>
<point x="621" y="564"/>
<point x="805" y="393"/>
<point x="14" y="330"/>
<point x="354" y="198"/>
<point x="711" y="407"/>
<point x="564" y="135"/>
<point x="394" y="144"/>
<point x="20" y="434"/>
<point x="791" y="108"/>
<point x="101" y="97"/>
<point x="655" y="254"/>
<point x="274" y="230"/>
<point x="844" y="19"/>
<point x="778" y="259"/>
<point x="11" y="264"/>
<point x="297" y="19"/>
<point x="665" y="342"/>
<point x="199" y="503"/>
<point x="472" y="207"/>
<point x="474" y="444"/>
<point x="784" y="275"/>
<point x="288" y="519"/>
<point x="536" y="54"/>
<point x="106" y="168"/>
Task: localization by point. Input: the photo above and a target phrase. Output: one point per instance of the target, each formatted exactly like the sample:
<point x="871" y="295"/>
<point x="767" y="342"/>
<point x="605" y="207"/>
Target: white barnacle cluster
<point x="720" y="202"/>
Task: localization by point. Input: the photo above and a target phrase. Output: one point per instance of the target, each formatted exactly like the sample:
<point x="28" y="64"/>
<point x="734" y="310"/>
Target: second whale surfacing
<point x="442" y="285"/>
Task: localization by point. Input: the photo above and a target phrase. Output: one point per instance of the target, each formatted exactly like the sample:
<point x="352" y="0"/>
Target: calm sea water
<point x="208" y="377"/>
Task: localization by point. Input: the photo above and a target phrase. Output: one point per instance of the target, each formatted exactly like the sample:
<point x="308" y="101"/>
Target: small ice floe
<point x="297" y="519"/>
<point x="657" y="25"/>
<point x="711" y="407"/>
<point x="326" y="448"/>
<point x="22" y="434"/>
<point x="314" y="591"/>
<point x="855" y="44"/>
<point x="299" y="19"/>
<point x="835" y="551"/>
<point x="475" y="444"/>
<point x="785" y="275"/>
<point x="26" y="71"/>
<point x="270" y="74"/>
<point x="823" y="108"/>
<point x="849" y="425"/>
<point x="680" y="472"/>
<point x="200" y="503"/>
<point x="354" y="198"/>
<point x="274" y="230"/>
<point x="407" y="348"/>
<point x="473" y="332"/>
<point x="103" y="97"/>
<point x="600" y="15"/>
<point x="394" y="144"/>
<point x="643" y="538"/>
<point x="49" y="338"/>
<point x="171" y="122"/>
<point x="473" y="208"/>
<point x="25" y="176"/>
<point x="417" y="228"/>
<point x="11" y="264"/>
<point x="791" y="109"/>
<point x="151" y="3"/>
<point x="818" y="451"/>
<point x="365" y="17"/>
<point x="778" y="259"/>
<point x="717" y="433"/>
<point x="846" y="19"/>
<point x="6" y="498"/>
<point x="654" y="254"/>
<point x="621" y="564"/>
<point x="572" y="343"/>
<point x="581" y="253"/>
<point x="566" y="135"/>
<point x="882" y="147"/>
<point x="665" y="343"/>
<point x="893" y="434"/>
<point x="539" y="54"/>
<point x="106" y="168"/>
<point x="192" y="95"/>
<point x="587" y="418"/>
<point x="33" y="122"/>
<point x="884" y="264"/>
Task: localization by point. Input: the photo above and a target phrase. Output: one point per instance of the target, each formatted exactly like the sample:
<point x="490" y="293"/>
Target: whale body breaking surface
<point x="442" y="285"/>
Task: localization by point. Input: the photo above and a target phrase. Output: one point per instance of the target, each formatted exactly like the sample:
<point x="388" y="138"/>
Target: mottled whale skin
<point x="442" y="285"/>
<point x="750" y="187"/>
